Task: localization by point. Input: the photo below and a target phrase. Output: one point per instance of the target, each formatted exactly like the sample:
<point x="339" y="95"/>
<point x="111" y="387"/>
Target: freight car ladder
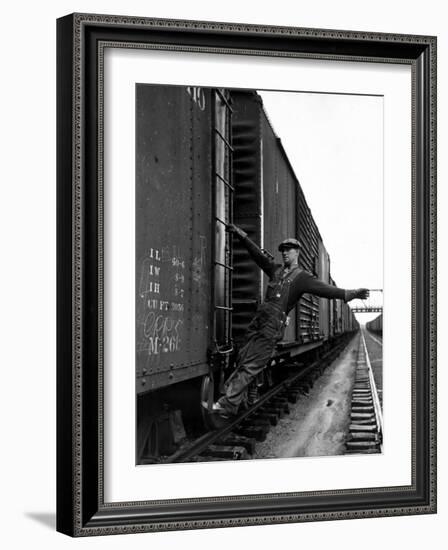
<point x="222" y="343"/>
<point x="223" y="193"/>
<point x="247" y="208"/>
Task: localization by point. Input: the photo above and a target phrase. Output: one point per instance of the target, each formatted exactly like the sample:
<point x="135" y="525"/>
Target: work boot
<point x="216" y="408"/>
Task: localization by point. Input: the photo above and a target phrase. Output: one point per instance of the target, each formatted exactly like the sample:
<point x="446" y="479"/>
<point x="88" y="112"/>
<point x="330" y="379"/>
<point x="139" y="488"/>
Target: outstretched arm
<point x="265" y="263"/>
<point x="324" y="290"/>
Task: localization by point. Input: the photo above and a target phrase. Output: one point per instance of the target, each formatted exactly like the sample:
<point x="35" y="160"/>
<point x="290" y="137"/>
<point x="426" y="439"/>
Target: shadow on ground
<point x="48" y="519"/>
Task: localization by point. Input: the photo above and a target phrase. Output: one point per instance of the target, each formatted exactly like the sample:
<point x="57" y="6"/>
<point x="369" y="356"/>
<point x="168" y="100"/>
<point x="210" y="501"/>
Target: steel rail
<point x="207" y="439"/>
<point x="375" y="398"/>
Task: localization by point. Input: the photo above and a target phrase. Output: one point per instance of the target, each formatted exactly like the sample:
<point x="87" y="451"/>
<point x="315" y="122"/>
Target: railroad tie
<point x="275" y="411"/>
<point x="281" y="403"/>
<point x="256" y="432"/>
<point x="269" y="417"/>
<point x="363" y="436"/>
<point x="292" y="396"/>
<point x="233" y="440"/>
<point x="226" y="452"/>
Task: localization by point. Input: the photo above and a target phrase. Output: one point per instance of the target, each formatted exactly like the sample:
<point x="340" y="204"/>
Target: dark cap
<point x="289" y="243"/>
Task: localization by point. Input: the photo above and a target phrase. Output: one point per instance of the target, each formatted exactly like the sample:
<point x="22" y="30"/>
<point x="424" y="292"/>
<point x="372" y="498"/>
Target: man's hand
<point x="360" y="293"/>
<point x="232" y="228"/>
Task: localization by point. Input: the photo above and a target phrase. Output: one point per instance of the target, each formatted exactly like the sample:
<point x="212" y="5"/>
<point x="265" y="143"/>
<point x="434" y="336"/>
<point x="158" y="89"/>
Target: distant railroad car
<point x="376" y="325"/>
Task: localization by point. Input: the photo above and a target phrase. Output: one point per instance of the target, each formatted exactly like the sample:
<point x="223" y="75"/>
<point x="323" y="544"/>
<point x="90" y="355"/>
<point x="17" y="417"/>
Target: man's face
<point x="290" y="256"/>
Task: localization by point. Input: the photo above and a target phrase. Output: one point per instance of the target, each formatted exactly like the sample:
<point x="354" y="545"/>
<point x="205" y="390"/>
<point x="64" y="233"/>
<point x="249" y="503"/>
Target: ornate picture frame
<point x="81" y="506"/>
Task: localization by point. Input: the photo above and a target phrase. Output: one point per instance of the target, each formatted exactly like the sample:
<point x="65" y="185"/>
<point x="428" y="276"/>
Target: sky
<point x="335" y="145"/>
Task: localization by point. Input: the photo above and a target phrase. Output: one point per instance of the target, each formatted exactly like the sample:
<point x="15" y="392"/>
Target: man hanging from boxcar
<point x="286" y="285"/>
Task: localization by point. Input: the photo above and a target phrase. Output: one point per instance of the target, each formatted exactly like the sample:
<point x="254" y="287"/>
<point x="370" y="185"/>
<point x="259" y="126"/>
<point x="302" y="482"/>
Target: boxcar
<point x="376" y="325"/>
<point x="270" y="205"/>
<point x="182" y="249"/>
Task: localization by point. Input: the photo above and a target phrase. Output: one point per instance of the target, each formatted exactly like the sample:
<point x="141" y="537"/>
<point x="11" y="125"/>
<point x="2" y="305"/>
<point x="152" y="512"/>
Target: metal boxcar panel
<point x="376" y="325"/>
<point x="332" y="310"/>
<point x="345" y="314"/>
<point x="324" y="303"/>
<point x="338" y="325"/>
<point x="279" y="198"/>
<point x="308" y="309"/>
<point x="173" y="216"/>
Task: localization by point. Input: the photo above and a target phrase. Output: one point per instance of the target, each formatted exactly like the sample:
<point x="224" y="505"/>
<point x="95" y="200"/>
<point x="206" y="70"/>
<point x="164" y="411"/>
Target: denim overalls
<point x="264" y="331"/>
<point x="271" y="317"/>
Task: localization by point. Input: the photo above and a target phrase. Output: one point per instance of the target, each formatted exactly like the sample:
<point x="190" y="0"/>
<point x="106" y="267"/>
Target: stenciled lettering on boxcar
<point x="162" y="333"/>
<point x="199" y="261"/>
<point x="161" y="290"/>
<point x="197" y="95"/>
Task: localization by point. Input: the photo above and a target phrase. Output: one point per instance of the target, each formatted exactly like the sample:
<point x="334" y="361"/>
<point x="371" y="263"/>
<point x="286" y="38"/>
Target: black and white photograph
<point x="258" y="274"/>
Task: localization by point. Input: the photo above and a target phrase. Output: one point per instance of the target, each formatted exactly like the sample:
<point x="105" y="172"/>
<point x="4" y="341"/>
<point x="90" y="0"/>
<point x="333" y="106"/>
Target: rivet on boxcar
<point x="144" y="371"/>
<point x="143" y="381"/>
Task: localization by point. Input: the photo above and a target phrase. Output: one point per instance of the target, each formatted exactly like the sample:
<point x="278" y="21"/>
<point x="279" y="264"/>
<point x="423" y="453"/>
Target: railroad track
<point x="236" y="439"/>
<point x="366" y="420"/>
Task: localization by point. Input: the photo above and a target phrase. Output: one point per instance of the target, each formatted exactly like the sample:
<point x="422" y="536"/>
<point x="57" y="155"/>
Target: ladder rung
<point x="225" y="100"/>
<point x="224" y="307"/>
<point x="221" y="221"/>
<point x="224" y="265"/>
<point x="229" y="185"/>
<point x="224" y="139"/>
